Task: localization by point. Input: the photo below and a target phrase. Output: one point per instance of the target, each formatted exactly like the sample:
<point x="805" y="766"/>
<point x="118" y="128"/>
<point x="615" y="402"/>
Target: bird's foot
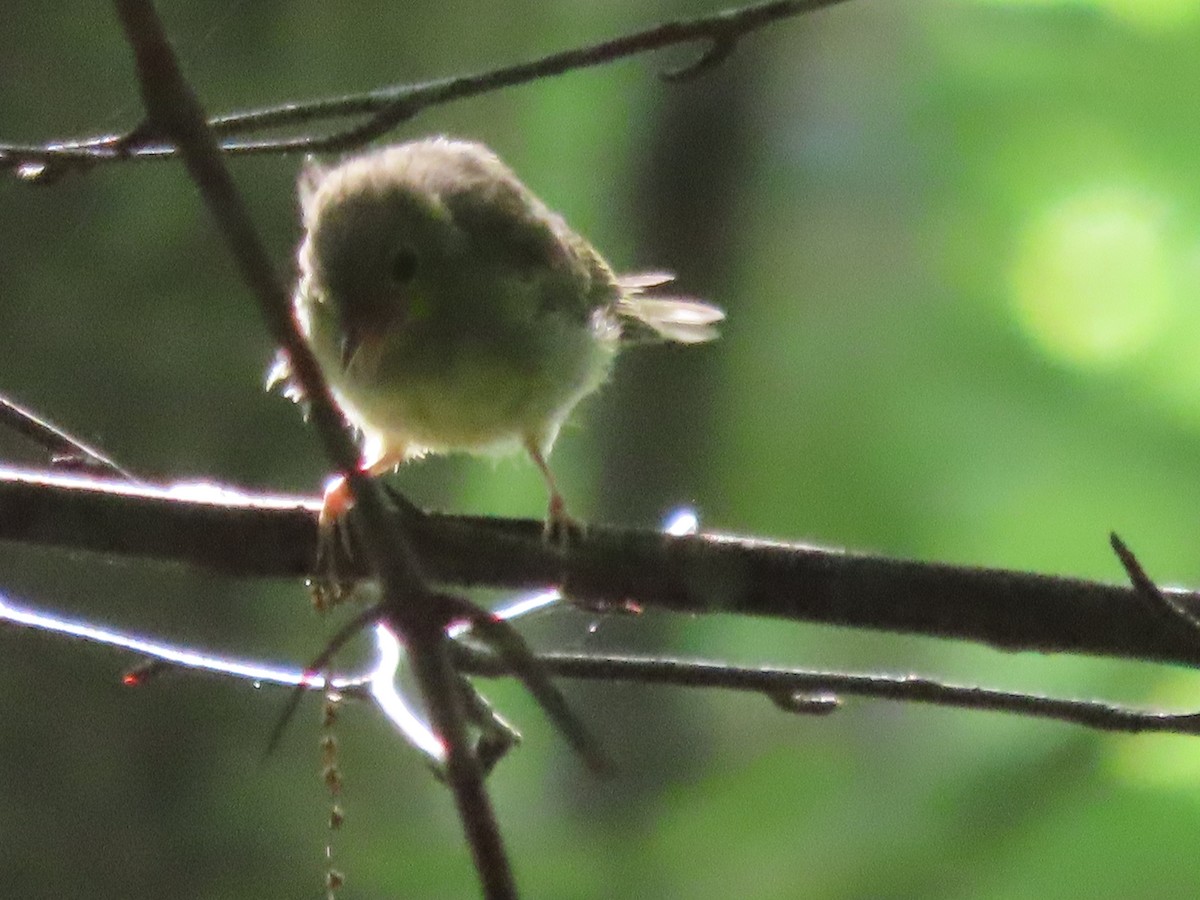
<point x="562" y="530"/>
<point x="328" y="585"/>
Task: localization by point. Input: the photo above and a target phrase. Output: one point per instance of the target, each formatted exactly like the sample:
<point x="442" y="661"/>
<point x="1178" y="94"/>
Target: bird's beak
<point x="362" y="342"/>
<point x="360" y="347"/>
<point x="352" y="339"/>
<point x="364" y="335"/>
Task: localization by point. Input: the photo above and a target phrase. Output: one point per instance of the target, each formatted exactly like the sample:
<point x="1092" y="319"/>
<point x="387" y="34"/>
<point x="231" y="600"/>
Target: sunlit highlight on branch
<point x="259" y="673"/>
<point x="379" y="680"/>
<point x="382" y="680"/>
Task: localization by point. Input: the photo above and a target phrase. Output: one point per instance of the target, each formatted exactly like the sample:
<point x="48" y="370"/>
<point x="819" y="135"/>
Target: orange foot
<point x="561" y="528"/>
<point x="328" y="586"/>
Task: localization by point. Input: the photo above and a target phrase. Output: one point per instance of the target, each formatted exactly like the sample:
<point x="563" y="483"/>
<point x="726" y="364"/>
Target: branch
<point x="802" y="691"/>
<point x="385" y="108"/>
<point x="66" y="451"/>
<point x="274" y="536"/>
<point x="807" y="691"/>
<point x="173" y="109"/>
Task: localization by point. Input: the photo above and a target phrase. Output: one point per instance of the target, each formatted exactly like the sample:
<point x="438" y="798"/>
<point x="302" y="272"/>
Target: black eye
<point x="404" y="265"/>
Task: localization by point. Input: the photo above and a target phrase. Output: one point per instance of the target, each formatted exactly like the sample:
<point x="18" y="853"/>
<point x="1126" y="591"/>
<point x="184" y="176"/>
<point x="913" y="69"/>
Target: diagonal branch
<point x="385" y="108"/>
<point x="66" y="451"/>
<point x="173" y="108"/>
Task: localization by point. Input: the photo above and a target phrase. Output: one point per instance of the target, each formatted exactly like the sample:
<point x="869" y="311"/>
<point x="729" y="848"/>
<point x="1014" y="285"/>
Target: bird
<point x="450" y="310"/>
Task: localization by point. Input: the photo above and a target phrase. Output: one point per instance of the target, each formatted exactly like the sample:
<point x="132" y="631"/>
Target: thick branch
<point x="275" y="537"/>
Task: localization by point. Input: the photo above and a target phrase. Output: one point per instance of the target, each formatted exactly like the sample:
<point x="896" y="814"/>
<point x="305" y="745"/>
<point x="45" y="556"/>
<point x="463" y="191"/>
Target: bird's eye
<point x="404" y="265"/>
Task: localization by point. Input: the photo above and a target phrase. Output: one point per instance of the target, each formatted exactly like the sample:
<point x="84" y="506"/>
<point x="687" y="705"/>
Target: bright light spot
<point x="381" y="679"/>
<point x="1157" y="15"/>
<point x="1152" y="15"/>
<point x="682" y="521"/>
<point x="1092" y="282"/>
<point x="31" y="171"/>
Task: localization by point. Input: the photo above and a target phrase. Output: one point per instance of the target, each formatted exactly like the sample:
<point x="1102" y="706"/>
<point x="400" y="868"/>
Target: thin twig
<point x="333" y="646"/>
<point x="772" y="681"/>
<point x="793" y="690"/>
<point x="385" y="108"/>
<point x="56" y="442"/>
<point x="508" y="644"/>
<point x="1162" y="605"/>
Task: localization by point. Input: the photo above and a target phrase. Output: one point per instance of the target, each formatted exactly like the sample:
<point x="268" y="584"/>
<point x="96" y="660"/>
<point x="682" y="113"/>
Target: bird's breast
<point x="475" y="389"/>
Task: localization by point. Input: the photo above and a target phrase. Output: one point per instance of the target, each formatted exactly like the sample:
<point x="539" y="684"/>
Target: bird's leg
<point x="333" y="532"/>
<point x="327" y="586"/>
<point x="560" y="525"/>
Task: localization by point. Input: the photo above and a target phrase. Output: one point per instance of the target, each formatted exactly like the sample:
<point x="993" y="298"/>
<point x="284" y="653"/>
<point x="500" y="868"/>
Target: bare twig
<point x="800" y="691"/>
<point x="1161" y="604"/>
<point x="385" y="108"/>
<point x="772" y="682"/>
<point x="332" y="647"/>
<point x="62" y="447"/>
<point x="523" y="664"/>
<point x="793" y="690"/>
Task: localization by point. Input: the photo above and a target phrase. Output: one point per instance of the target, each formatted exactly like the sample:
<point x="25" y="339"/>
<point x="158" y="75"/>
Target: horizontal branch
<point x="797" y="691"/>
<point x="810" y="692"/>
<point x="385" y="108"/>
<point x="243" y="534"/>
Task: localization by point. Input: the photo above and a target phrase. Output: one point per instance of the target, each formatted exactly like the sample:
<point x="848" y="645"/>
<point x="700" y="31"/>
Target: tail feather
<point x="681" y="319"/>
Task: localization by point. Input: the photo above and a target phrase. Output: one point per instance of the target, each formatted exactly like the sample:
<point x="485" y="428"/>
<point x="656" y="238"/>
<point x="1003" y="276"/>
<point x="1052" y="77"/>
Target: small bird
<point x="451" y="310"/>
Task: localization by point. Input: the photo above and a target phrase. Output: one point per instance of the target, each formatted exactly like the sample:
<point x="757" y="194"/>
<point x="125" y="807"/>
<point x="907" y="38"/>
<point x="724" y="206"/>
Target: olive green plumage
<point x="450" y="309"/>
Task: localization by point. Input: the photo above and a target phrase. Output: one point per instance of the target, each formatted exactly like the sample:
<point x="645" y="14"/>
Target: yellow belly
<point x="474" y="395"/>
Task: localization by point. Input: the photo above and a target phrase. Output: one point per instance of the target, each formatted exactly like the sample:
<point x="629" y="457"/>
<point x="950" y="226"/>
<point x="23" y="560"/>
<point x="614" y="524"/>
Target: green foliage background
<point x="959" y="245"/>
